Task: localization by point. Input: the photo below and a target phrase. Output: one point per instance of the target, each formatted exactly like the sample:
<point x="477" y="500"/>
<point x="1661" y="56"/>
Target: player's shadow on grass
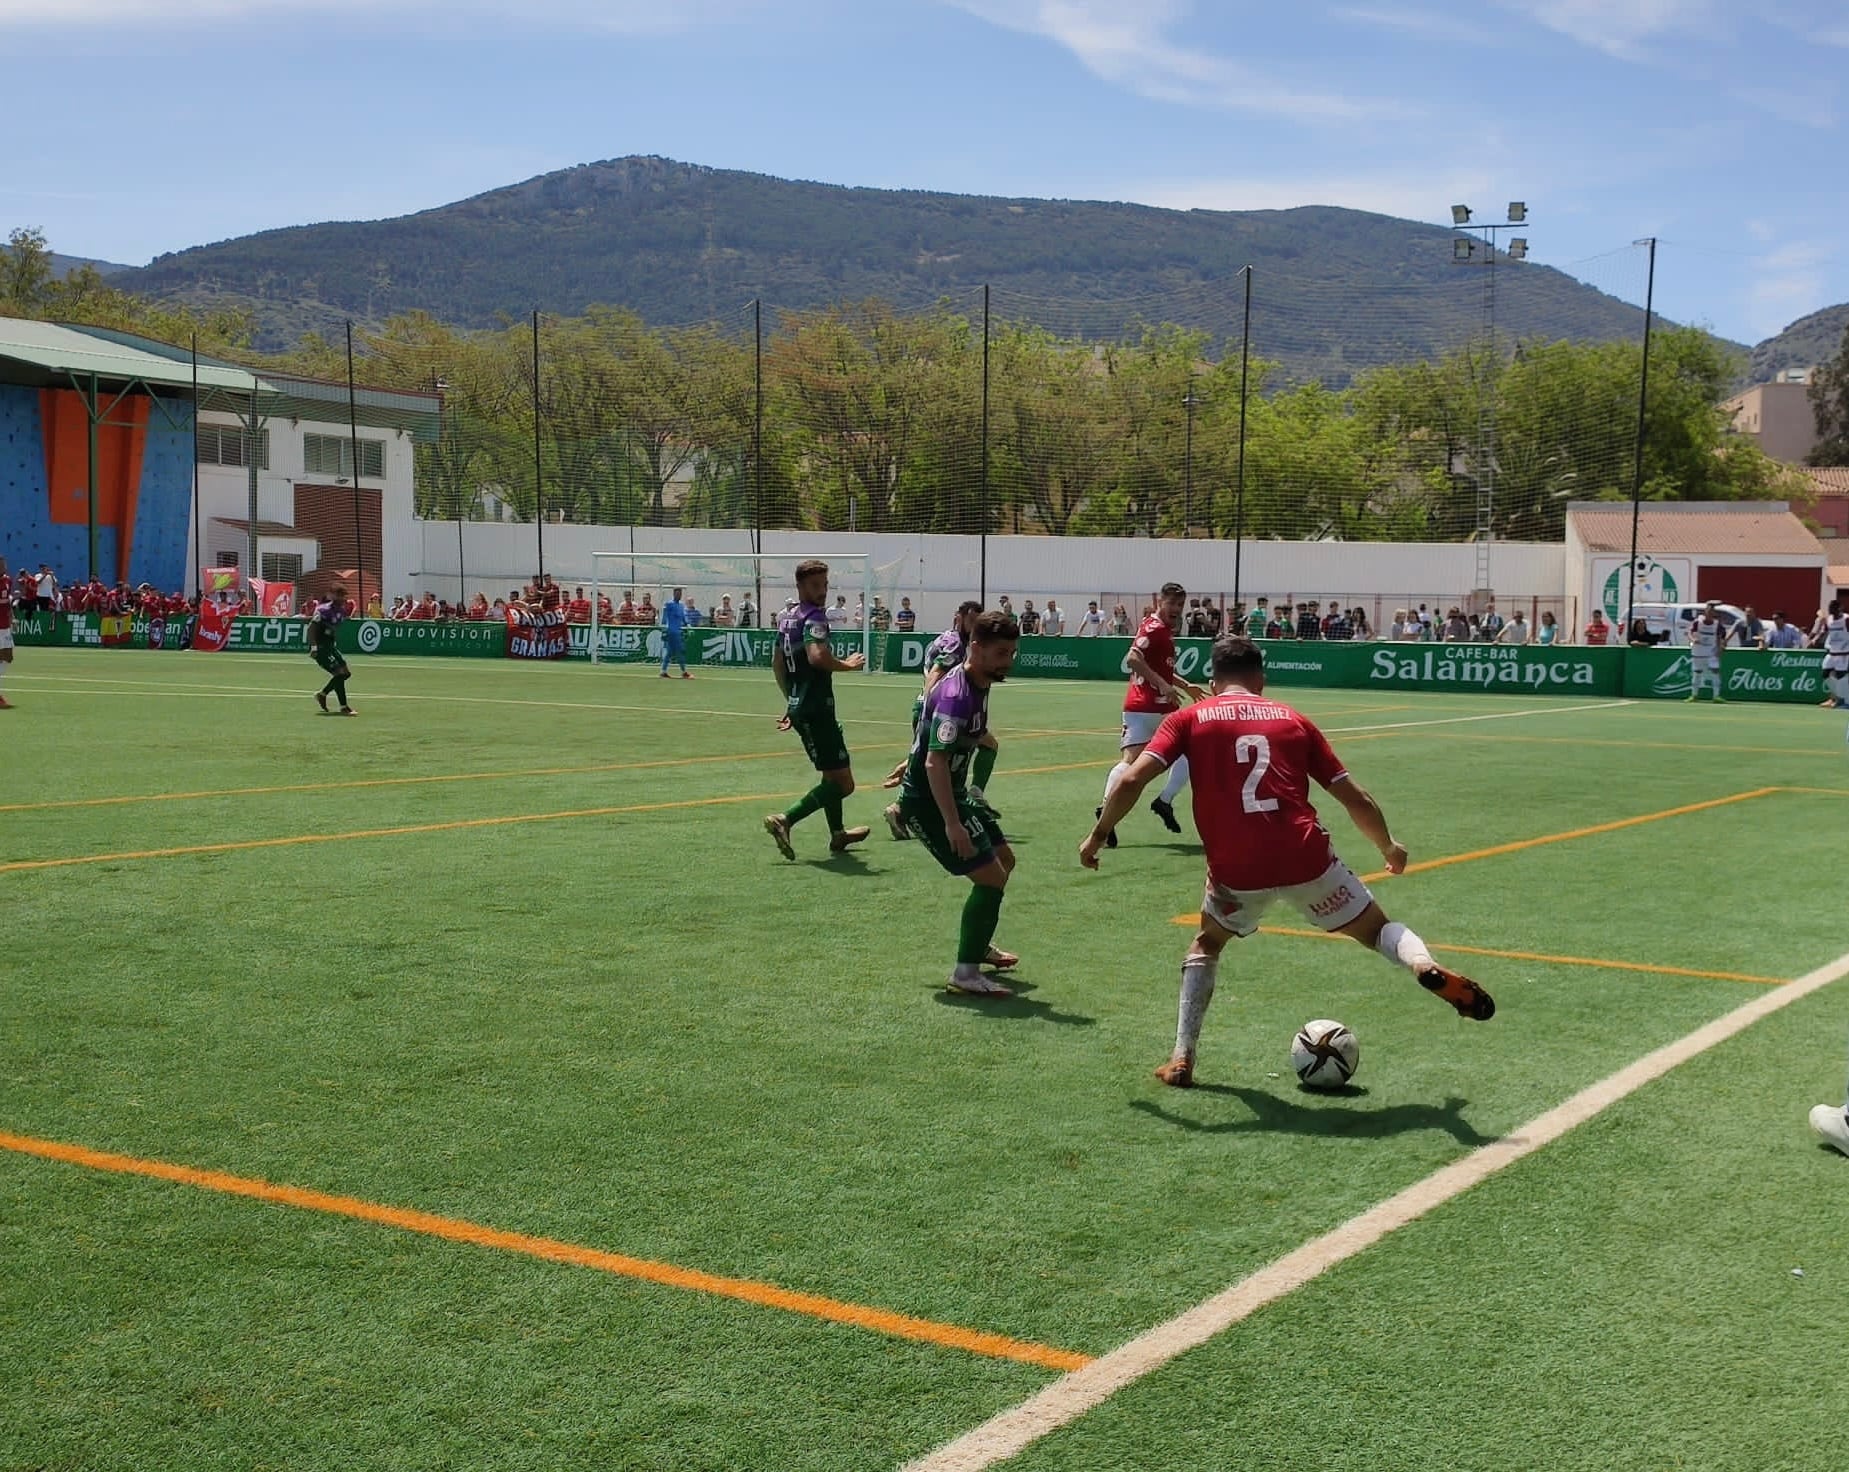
<point x="1281" y="1114"/>
<point x="1016" y="1008"/>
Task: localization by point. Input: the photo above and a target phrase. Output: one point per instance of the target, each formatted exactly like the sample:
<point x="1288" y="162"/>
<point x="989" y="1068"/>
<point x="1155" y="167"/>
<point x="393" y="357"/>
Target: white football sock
<point x="1177" y="779"/>
<point x="1404" y="948"/>
<point x="1197" y="977"/>
<point x="1113" y="777"/>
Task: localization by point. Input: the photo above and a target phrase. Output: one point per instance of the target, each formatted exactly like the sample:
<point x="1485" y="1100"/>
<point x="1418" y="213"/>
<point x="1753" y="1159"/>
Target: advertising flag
<point x="214" y="630"/>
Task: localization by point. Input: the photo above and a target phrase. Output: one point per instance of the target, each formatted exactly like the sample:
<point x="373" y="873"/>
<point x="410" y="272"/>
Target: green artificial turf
<point x="636" y="1028"/>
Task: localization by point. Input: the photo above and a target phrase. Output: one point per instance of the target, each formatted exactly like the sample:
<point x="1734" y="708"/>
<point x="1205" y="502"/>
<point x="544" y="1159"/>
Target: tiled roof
<point x="1833" y="481"/>
<point x="1755" y="528"/>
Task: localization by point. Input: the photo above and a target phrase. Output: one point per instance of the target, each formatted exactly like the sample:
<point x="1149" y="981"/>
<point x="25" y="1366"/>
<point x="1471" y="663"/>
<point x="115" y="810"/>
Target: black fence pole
<point x="982" y="589"/>
<point x="1239" y="493"/>
<point x="353" y="433"/>
<point x="198" y="543"/>
<point x="539" y="484"/>
<point x="1637" y="471"/>
<point x="757" y="453"/>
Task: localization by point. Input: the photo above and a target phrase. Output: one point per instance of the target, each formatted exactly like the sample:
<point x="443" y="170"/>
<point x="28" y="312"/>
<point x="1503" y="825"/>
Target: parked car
<point x="1675" y="620"/>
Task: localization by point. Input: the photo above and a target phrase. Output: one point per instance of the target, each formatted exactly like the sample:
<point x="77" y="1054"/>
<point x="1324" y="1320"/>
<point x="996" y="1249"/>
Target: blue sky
<point x="142" y="126"/>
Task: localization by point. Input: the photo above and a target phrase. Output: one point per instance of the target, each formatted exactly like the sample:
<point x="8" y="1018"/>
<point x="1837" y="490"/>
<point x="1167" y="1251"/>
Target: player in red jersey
<point x="1253" y="763"/>
<point x="1154" y="692"/>
<point x="6" y="629"/>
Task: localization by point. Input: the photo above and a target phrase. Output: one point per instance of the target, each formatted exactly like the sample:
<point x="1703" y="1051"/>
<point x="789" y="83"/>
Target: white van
<point x="1675" y="620"/>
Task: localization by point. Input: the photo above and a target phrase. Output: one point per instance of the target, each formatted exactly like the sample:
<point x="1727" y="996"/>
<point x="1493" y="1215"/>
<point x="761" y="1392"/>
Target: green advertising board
<point x="485" y="640"/>
<point x="1787" y="676"/>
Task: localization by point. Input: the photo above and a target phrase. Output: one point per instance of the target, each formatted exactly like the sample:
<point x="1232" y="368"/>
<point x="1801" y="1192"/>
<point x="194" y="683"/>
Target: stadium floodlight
<point x="1518" y="248"/>
<point x="1460" y="214"/>
<point x="1518" y="211"/>
<point x="1463" y="250"/>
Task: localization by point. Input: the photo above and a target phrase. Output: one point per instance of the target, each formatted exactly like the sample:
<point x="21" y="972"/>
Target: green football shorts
<point x="823" y="741"/>
<point x="927" y="826"/>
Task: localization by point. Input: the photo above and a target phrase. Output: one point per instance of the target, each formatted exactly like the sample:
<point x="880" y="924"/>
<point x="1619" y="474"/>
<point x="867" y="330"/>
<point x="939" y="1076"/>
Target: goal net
<point x="748" y="591"/>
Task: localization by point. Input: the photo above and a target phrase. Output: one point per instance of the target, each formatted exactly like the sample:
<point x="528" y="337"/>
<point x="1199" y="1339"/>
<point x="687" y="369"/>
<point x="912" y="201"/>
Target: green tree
<point x="1829" y="402"/>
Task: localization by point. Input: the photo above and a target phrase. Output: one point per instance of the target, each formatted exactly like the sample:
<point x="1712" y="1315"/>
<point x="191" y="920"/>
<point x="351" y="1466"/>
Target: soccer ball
<point x="1325" y="1054"/>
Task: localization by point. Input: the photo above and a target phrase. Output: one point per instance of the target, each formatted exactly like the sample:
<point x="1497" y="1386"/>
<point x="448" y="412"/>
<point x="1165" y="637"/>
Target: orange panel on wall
<point x="120" y="440"/>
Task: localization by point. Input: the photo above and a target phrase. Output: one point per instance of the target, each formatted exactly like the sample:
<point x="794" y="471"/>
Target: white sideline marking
<point x="1071" y="1396"/>
<point x="1501" y="715"/>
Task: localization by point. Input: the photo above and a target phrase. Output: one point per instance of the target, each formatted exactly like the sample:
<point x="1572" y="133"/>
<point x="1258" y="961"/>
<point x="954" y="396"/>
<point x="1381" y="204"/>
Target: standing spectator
<point x="1283" y="623"/>
<point x="674" y="627"/>
<point x="1215" y="620"/>
<point x="694" y="615"/>
<point x="48" y="589"/>
<point x="628" y="613"/>
<point x="426" y="611"/>
<point x="747" y="612"/>
<point x="578" y="611"/>
<point x="1357" y="616"/>
<point x="1425" y="622"/>
<point x="1309" y="626"/>
<point x="1549" y="633"/>
<point x="724" y="616"/>
<point x="374" y="608"/>
<point x="881" y="617"/>
<point x="860" y="610"/>
<point x="1751" y="630"/>
<point x="1396" y="630"/>
<point x="906" y="618"/>
<point x="1007" y="607"/>
<point x="1457" y="627"/>
<point x="1258" y="623"/>
<point x="26" y="591"/>
<point x="1197" y="620"/>
<point x="1515" y="631"/>
<point x="1030" y="621"/>
<point x="1120" y="620"/>
<point x="1475" y="636"/>
<point x="1784" y="634"/>
<point x="1598" y="632"/>
<point x="606" y="610"/>
<point x="1091" y="622"/>
<point x="839" y="615"/>
<point x="1052" y="622"/>
<point x="645" y="611"/>
<point x="1337" y="627"/>
<point x="1492" y="622"/>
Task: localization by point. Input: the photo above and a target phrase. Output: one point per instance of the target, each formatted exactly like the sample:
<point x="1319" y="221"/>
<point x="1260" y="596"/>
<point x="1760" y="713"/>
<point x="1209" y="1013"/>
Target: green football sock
<point x="983" y="766"/>
<point x="812" y="801"/>
<point x="982" y="912"/>
<point x="831" y="805"/>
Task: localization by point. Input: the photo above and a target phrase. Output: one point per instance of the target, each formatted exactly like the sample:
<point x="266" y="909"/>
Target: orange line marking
<point x="1605" y="965"/>
<point x="452" y="1229"/>
<point x="1820" y="791"/>
<point x="1527" y="843"/>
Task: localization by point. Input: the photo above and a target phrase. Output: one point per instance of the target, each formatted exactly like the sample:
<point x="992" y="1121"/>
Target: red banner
<point x="214" y="630"/>
<point x="216" y="580"/>
<point x="274" y="600"/>
<point x="537" y="635"/>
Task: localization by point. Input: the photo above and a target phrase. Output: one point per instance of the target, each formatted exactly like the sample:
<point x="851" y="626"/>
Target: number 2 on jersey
<point x="1256" y="750"/>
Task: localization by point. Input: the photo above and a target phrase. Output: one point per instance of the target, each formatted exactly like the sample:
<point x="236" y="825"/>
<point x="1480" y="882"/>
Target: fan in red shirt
<point x="1153" y="693"/>
<point x="28" y="590"/>
<point x="6" y="628"/>
<point x="578" y="611"/>
<point x="1253" y="763"/>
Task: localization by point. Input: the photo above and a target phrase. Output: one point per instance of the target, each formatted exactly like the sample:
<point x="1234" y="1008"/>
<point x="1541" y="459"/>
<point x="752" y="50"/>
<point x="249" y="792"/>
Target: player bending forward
<point x="326" y="618"/>
<point x="942" y="655"/>
<point x="1253" y="760"/>
<point x="805" y="667"/>
<point x="937" y="805"/>
<point x="1154" y="692"/>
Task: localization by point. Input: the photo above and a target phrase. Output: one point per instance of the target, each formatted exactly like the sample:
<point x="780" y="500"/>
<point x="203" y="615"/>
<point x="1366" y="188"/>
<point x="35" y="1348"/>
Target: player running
<point x="1706" y="636"/>
<point x="1832" y="628"/>
<point x="1253" y="760"/>
<point x="939" y="807"/>
<point x="942" y="655"/>
<point x="1153" y="693"/>
<point x="6" y="630"/>
<point x="322" y="623"/>
<point x="805" y="667"/>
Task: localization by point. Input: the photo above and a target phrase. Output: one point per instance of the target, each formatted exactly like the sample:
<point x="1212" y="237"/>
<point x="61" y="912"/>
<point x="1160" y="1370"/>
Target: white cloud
<point x="1787" y="284"/>
<point x="1423" y="23"/>
<point x="633" y="17"/>
<point x="1620" y="28"/>
<point x="1129" y="45"/>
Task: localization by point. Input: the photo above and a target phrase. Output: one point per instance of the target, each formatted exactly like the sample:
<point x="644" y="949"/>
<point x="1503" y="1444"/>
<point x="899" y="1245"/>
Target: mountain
<point x="1334" y="290"/>
<point x="62" y="266"/>
<point x="1804" y="344"/>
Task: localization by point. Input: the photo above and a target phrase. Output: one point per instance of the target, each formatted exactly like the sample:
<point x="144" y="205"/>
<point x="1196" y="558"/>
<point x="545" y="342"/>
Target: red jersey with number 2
<point x="1156" y="644"/>
<point x="1251" y="762"/>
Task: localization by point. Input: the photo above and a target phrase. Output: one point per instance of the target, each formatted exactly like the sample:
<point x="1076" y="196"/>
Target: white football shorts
<point x="6" y="638"/>
<point x="1140" y="727"/>
<point x="1338" y="898"/>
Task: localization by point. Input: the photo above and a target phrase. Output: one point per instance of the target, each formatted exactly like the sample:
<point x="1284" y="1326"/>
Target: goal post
<point x="754" y="586"/>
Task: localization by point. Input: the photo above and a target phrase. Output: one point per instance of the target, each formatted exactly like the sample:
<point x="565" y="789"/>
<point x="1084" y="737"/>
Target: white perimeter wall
<point x="938" y="571"/>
